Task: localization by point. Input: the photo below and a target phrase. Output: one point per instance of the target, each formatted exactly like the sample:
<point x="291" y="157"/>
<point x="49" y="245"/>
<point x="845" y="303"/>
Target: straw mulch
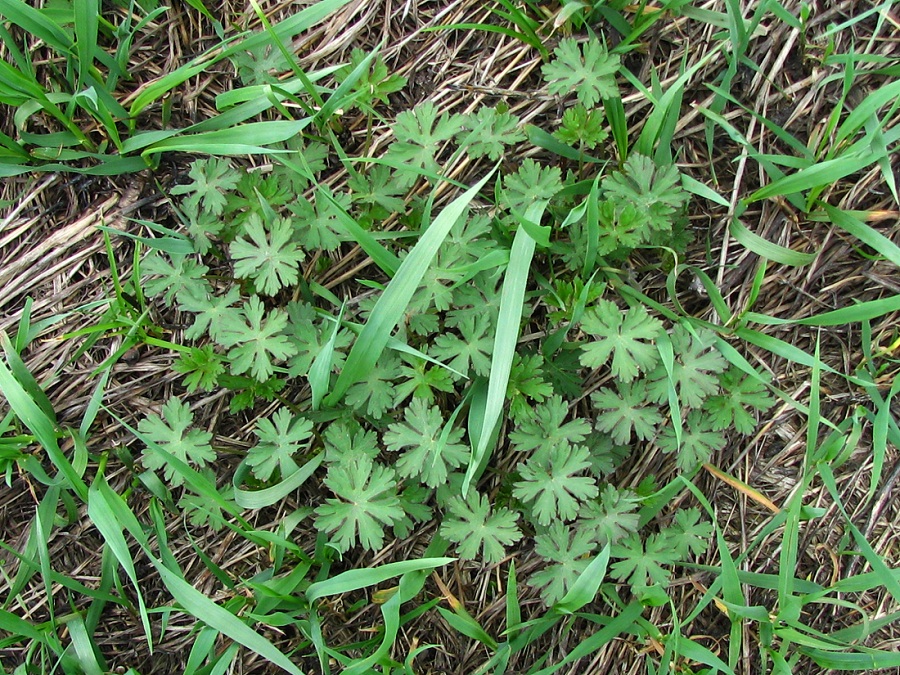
<point x="52" y="251"/>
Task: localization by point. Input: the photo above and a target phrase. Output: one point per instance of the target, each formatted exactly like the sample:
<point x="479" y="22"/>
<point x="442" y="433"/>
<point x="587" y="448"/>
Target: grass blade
<point x="586" y="585"/>
<point x="87" y="23"/>
<point x="392" y="304"/>
<point x="43" y="428"/>
<point x="867" y="235"/>
<point x="506" y="336"/>
<point x="355" y="579"/>
<point x="106" y="510"/>
<point x="767" y="249"/>
<point x="816" y="176"/>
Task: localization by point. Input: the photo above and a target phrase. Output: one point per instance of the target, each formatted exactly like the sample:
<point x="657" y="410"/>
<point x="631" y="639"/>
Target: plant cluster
<point x="396" y="450"/>
<point x="492" y="363"/>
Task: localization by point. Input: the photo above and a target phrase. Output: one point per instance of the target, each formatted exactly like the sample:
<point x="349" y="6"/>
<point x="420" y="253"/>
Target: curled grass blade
<point x="257" y="499"/>
<point x="768" y="249"/>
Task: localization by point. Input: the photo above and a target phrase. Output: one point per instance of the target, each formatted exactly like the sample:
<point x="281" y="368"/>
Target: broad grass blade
<point x="512" y="298"/>
<point x="818" y="175"/>
<point x="87" y="23"/>
<point x="768" y="249"/>
<point x="353" y="580"/>
<point x="392" y="304"/>
<point x="586" y="585"/>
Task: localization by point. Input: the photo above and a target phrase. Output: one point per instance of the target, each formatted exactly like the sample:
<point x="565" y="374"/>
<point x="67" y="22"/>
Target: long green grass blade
<point x="284" y="30"/>
<point x="85" y="649"/>
<point x="229" y="142"/>
<point x="215" y="616"/>
<point x="37" y="23"/>
<point x="506" y="336"/>
<point x="864" y="311"/>
<point x="391" y="306"/>
<point x="43" y="428"/>
<point x="386" y="261"/>
<point x="106" y="510"/>
<point x="866" y="234"/>
<point x="613" y="628"/>
<point x="355" y="579"/>
<point x="816" y="176"/>
<point x="768" y="249"/>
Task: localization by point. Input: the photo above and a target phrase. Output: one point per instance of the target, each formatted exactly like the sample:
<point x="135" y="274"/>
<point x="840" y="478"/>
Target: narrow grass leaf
<point x="33" y="21"/>
<point x="696" y="652"/>
<point x="85" y="649"/>
<point x="87" y="23"/>
<point x="386" y="261"/>
<point x="19" y="627"/>
<point x="26" y="379"/>
<point x="217" y="617"/>
<point x="320" y="371"/>
<point x="816" y="176"/>
<point x="767" y="249"/>
<point x="592" y="227"/>
<point x="513" y="608"/>
<point x="864" y="661"/>
<point x="193" y="478"/>
<point x="880" y="426"/>
<point x="284" y="30"/>
<point x="667" y="358"/>
<point x="864" y="311"/>
<point x="542" y="139"/>
<point x="694" y="186"/>
<point x="506" y="336"/>
<point x="615" y="627"/>
<point x="355" y="579"/>
<point x="462" y="622"/>
<point x="666" y="109"/>
<point x="866" y="109"/>
<point x="43" y="428"/>
<point x="866" y="234"/>
<point x="230" y="142"/>
<point x="618" y="122"/>
<point x="490" y="28"/>
<point x="391" y="306"/>
<point x="108" y="512"/>
<point x="93" y="406"/>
